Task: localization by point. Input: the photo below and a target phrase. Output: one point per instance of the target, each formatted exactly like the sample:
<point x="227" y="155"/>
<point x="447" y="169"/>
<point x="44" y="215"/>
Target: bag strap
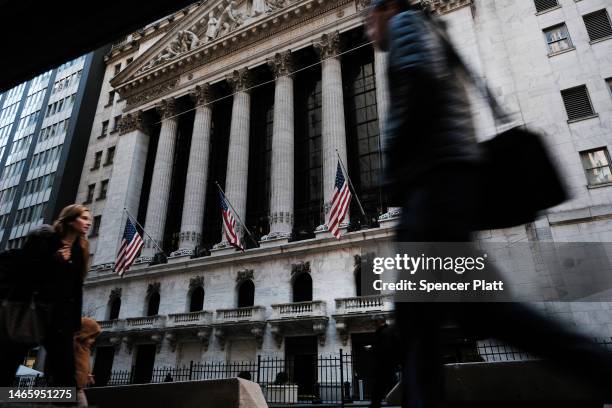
<point x="498" y="112"/>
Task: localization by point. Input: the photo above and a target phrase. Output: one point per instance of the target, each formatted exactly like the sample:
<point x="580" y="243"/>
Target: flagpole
<point x="365" y="218"/>
<point x="142" y="228"/>
<point x="237" y="216"/>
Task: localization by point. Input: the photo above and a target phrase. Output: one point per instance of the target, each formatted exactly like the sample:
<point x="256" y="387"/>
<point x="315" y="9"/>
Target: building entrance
<point x="145" y="359"/>
<point x="301" y="357"/>
<point x="103" y="365"/>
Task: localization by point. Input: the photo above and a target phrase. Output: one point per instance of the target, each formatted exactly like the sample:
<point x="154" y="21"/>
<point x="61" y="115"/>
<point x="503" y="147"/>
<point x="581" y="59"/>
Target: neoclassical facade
<point x="262" y="99"/>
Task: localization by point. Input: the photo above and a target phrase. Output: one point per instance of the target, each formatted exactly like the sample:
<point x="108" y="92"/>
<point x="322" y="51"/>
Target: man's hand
<point x="90" y="379"/>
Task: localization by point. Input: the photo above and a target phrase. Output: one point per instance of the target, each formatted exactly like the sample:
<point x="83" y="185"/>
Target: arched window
<point x="114" y="307"/>
<point x="302" y="288"/>
<point x="153" y="305"/>
<point x="196" y="301"/>
<point x="246" y="294"/>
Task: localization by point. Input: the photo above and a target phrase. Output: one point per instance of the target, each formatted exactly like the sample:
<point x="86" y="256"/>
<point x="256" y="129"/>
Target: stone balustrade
<point x="190" y="318"/>
<point x="147" y="322"/>
<point x="299" y="309"/>
<point x="112" y="325"/>
<point x="241" y="314"/>
<point x="364" y="304"/>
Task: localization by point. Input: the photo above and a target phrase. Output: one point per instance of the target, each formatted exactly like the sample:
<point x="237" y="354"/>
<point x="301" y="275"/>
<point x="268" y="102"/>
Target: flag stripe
<point x="131" y="244"/>
<point x="229" y="223"/>
<point x="341" y="199"/>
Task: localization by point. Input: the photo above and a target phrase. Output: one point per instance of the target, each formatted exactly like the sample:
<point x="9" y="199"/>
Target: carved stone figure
<point x="229" y="19"/>
<point x="274" y="5"/>
<point x="187" y="41"/>
<point x="259" y="7"/>
<point x="213" y="27"/>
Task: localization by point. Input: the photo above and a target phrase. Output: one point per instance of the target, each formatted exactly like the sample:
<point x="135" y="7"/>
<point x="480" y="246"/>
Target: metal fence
<point x="317" y="379"/>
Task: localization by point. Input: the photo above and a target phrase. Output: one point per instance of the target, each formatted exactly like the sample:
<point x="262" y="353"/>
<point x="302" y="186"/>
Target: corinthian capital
<point x="329" y="46"/>
<point x="201" y="94"/>
<point x="282" y="64"/>
<point x="167" y="108"/>
<point x="130" y="122"/>
<point x="239" y="80"/>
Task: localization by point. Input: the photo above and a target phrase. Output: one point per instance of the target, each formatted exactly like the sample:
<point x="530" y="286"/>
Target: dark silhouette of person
<point x="55" y="260"/>
<point x="431" y="171"/>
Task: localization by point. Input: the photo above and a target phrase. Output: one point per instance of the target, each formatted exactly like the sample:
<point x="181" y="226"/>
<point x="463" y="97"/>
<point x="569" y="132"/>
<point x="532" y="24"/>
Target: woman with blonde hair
<point x="57" y="257"/>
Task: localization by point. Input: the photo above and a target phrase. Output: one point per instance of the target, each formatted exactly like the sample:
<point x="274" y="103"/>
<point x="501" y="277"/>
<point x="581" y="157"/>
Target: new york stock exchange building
<point x="262" y="98"/>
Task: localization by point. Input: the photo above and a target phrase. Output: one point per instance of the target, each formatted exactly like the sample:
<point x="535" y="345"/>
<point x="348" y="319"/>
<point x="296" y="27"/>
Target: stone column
<point x="162" y="177"/>
<point x="281" y="174"/>
<point x="125" y="186"/>
<point x="197" y="174"/>
<point x="333" y="135"/>
<point x="382" y="88"/>
<point x="236" y="178"/>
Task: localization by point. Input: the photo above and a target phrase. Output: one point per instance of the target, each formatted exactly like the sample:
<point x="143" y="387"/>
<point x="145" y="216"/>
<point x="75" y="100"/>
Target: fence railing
<point x="325" y="379"/>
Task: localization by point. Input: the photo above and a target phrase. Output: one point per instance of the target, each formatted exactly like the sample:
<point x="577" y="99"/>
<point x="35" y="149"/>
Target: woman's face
<point x="82" y="223"/>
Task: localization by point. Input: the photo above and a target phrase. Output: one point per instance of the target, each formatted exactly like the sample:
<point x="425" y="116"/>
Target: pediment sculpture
<point x="220" y="21"/>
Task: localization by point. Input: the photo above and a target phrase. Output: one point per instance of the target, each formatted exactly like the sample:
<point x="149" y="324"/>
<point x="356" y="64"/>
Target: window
<point x="308" y="155"/>
<point x="558" y="39"/>
<point x="153" y="304"/>
<point x="104" y="129"/>
<point x="577" y="103"/>
<point x="129" y="61"/>
<point x="117" y="68"/>
<point x="103" y="189"/>
<point x="90" y="193"/>
<point x="95" y="228"/>
<point x="196" y="300"/>
<point x="97" y="161"/>
<point x="116" y="123"/>
<point x="596" y="164"/>
<point x="111" y="98"/>
<point x="598" y="25"/>
<point x="302" y="288"/>
<point x="115" y="307"/>
<point x="110" y="155"/>
<point x="246" y="294"/>
<point x="544" y="5"/>
<point x="609" y="82"/>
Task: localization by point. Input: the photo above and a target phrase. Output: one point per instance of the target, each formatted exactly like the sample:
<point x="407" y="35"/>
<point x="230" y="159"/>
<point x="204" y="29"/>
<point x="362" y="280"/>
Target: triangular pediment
<point x="211" y="21"/>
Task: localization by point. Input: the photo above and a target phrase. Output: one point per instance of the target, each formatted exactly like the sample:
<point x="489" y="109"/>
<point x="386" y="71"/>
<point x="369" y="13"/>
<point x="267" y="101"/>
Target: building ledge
<point x="584" y="118"/>
<point x="292" y="249"/>
<point x="554" y="54"/>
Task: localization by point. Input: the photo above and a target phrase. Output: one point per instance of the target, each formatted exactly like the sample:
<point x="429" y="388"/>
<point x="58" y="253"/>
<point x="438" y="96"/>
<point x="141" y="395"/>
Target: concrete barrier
<point x="228" y="393"/>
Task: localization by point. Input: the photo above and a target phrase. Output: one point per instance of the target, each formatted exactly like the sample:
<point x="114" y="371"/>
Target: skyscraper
<point x="44" y="132"/>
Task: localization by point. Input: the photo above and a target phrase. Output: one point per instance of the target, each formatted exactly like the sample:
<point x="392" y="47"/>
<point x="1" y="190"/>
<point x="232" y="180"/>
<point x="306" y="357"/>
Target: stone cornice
<point x="245" y="36"/>
<point x="352" y="240"/>
<point x="125" y="46"/>
<point x="435" y="6"/>
<point x="445" y="6"/>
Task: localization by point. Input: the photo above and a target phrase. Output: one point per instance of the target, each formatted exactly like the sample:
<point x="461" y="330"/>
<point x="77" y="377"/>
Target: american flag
<point x="339" y="204"/>
<point x="229" y="223"/>
<point x="130" y="247"/>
